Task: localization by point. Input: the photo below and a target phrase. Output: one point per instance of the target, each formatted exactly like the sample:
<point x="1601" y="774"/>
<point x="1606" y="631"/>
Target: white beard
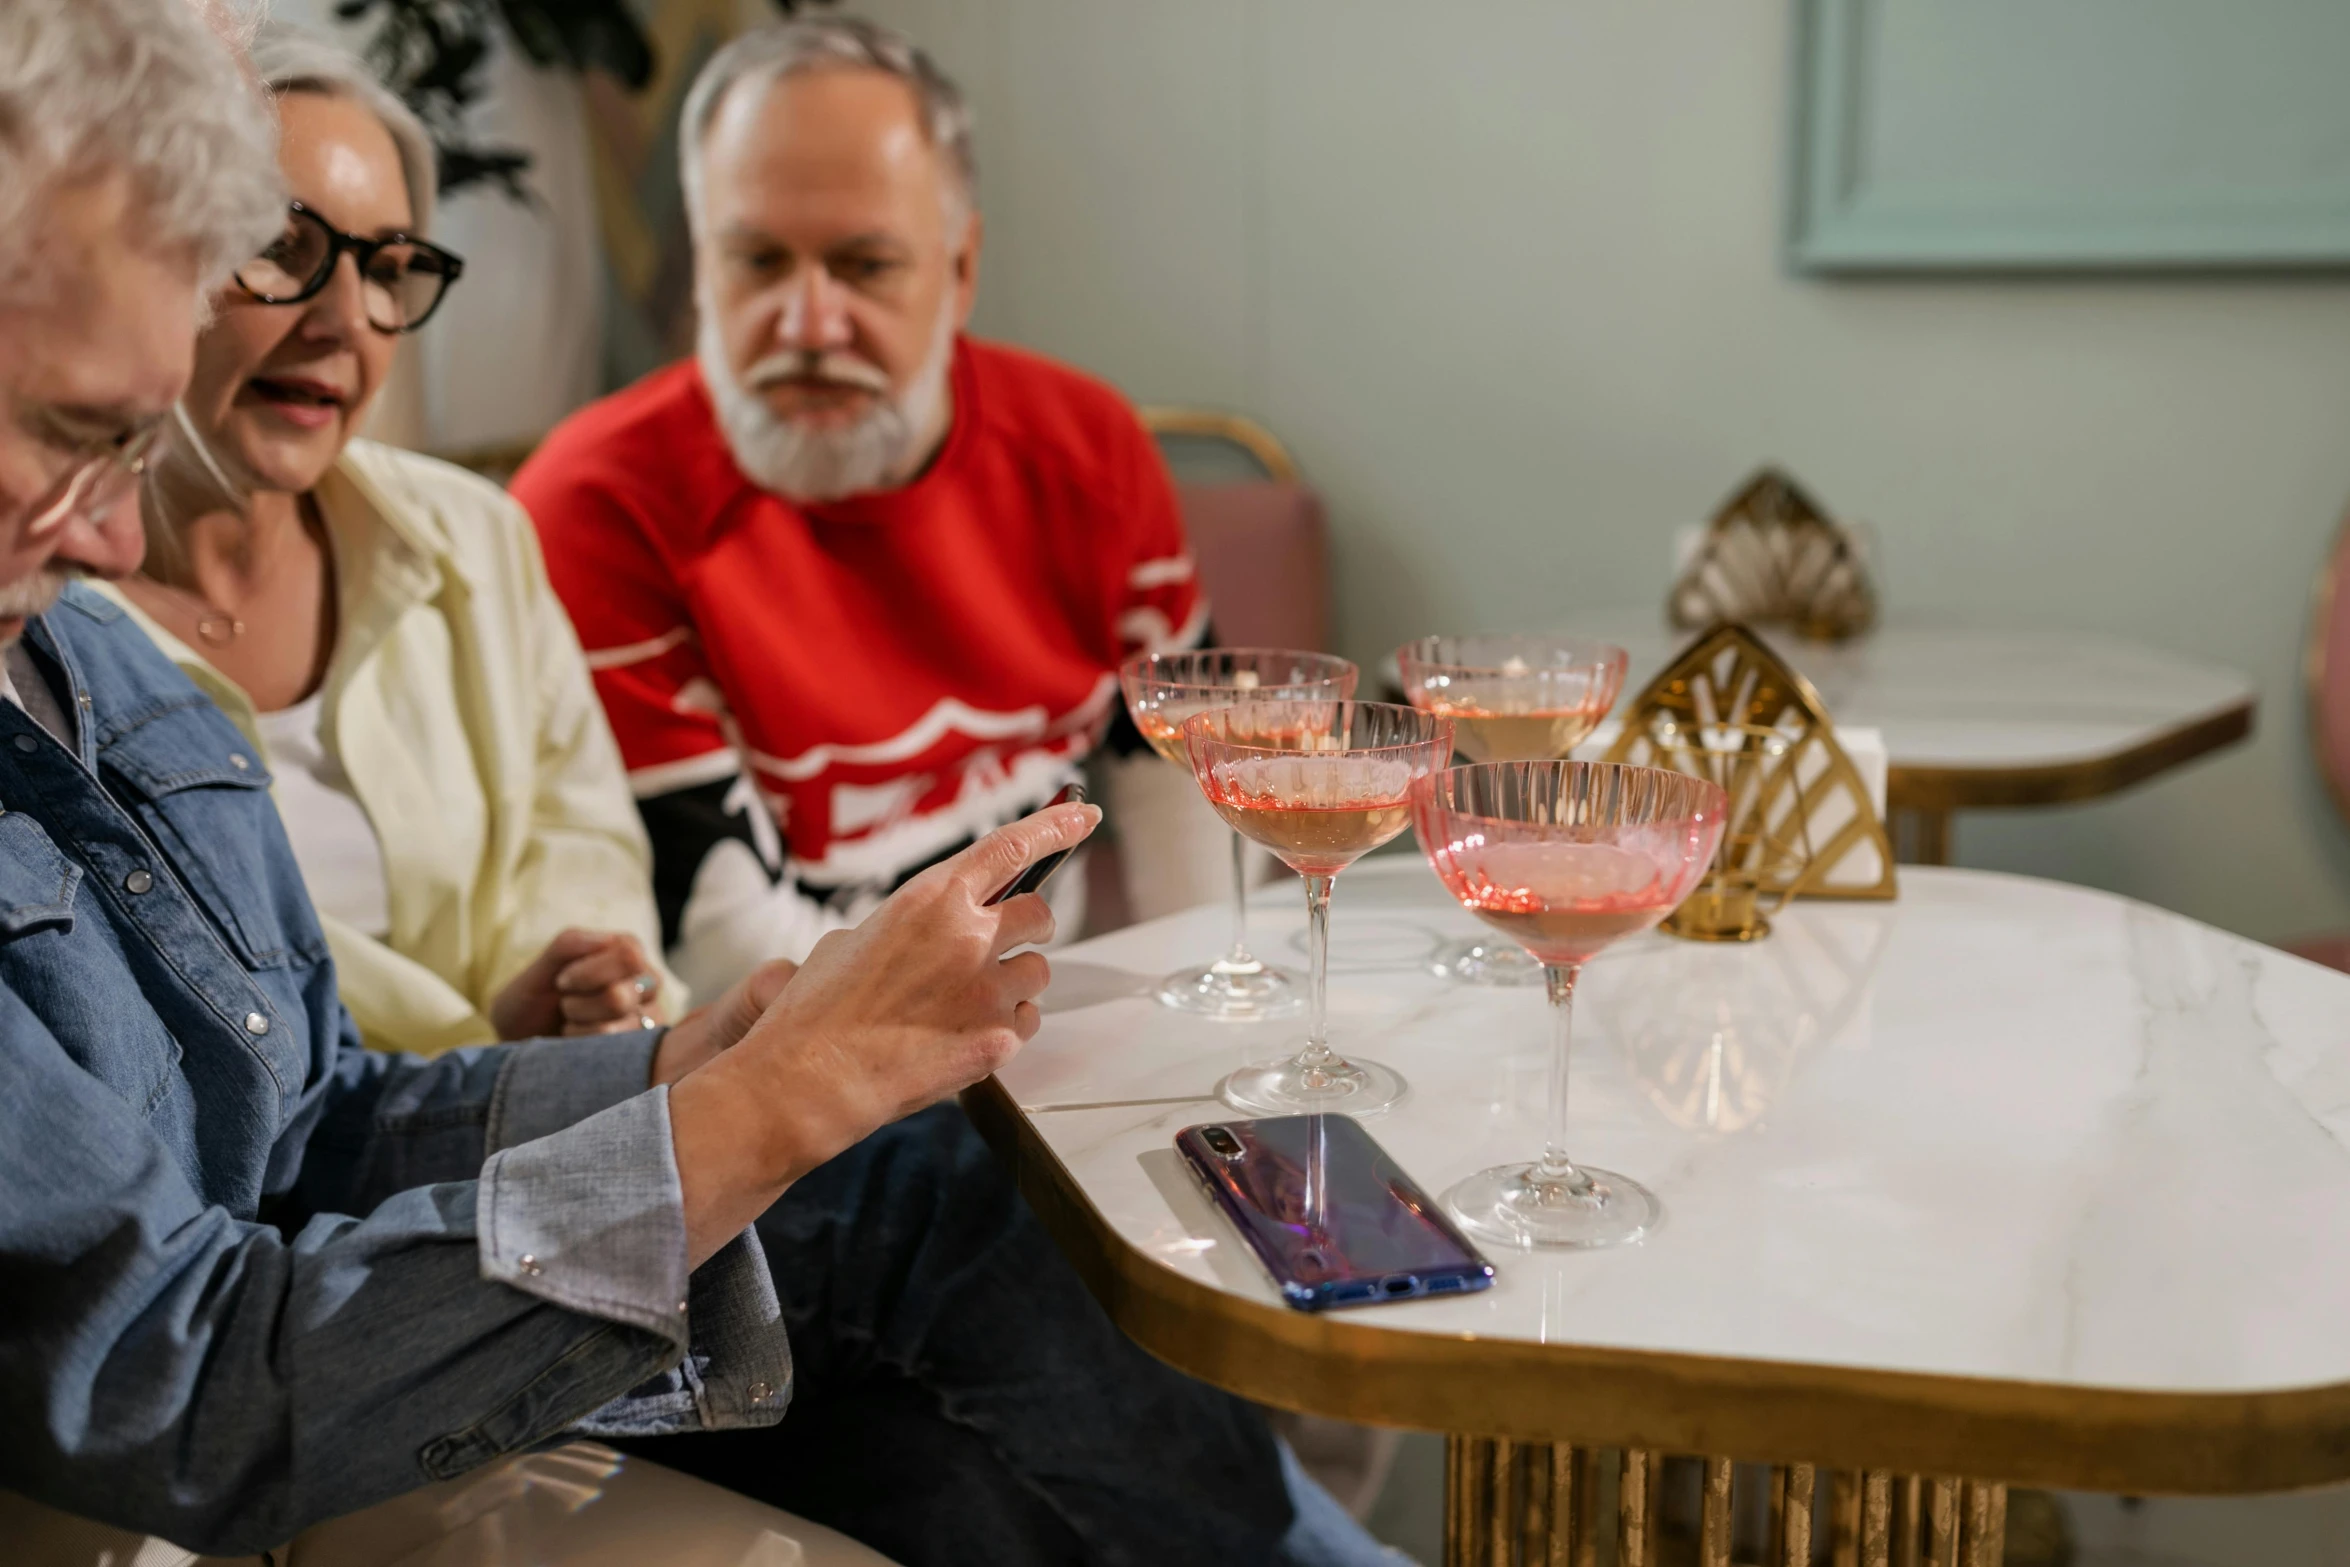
<point x="878" y="452"/>
<point x="30" y="596"/>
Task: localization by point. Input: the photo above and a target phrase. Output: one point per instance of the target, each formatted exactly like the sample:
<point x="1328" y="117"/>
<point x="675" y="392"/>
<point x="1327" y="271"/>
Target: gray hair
<point x="188" y="477"/>
<point x="766" y="55"/>
<point x="141" y="89"/>
<point x="289" y="60"/>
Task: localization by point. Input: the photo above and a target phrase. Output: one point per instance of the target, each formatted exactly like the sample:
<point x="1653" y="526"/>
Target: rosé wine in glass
<point x="1164" y="689"/>
<point x="1563" y="902"/>
<point x="1564" y="857"/>
<point x="1512" y="697"/>
<point x="1490" y="729"/>
<point x="1320" y="784"/>
<point x="1317" y="814"/>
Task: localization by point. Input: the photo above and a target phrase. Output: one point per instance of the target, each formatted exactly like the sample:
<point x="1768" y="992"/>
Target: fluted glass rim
<point x="1586" y="653"/>
<point x="1132" y="673"/>
<point x="1196" y="729"/>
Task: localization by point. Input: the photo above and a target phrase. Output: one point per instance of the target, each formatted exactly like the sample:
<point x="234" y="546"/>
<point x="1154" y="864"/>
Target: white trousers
<point x="578" y="1506"/>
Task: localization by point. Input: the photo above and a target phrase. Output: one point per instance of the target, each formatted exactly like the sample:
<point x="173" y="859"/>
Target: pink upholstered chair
<point x="1255" y="530"/>
<point x="2326" y="671"/>
<point x="1257" y="535"/>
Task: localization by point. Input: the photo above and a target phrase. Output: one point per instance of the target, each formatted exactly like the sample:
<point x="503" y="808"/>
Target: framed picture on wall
<point x="2026" y="135"/>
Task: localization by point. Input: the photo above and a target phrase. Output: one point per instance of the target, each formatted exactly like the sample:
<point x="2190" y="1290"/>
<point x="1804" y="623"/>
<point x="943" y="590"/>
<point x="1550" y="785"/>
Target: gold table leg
<point x="1791" y="1508"/>
<point x="1511" y="1504"/>
<point x="1713" y="1528"/>
<point x="1942" y="1525"/>
<point x="1844" y="1520"/>
<point x="1909" y="1521"/>
<point x="1921" y="836"/>
<point x="1501" y="1539"/>
<point x="1635" y="1498"/>
<point x="1876" y="1519"/>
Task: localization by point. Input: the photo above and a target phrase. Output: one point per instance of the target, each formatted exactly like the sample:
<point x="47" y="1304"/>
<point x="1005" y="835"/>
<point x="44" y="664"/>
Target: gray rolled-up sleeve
<point x="591" y="1218"/>
<point x="546" y="1085"/>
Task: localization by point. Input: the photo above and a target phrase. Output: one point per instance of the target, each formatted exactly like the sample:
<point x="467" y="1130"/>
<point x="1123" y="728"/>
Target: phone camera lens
<point x="1221" y="1143"/>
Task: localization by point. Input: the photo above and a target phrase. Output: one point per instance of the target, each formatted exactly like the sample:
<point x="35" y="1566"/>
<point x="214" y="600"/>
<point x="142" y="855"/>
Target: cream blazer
<point x="458" y="703"/>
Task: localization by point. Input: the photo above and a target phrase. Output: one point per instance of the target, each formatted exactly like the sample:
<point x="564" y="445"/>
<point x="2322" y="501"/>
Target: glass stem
<point x="1316" y="1054"/>
<point x="1556" y="1168"/>
<point x="1317" y="1178"/>
<point x="1238" y="961"/>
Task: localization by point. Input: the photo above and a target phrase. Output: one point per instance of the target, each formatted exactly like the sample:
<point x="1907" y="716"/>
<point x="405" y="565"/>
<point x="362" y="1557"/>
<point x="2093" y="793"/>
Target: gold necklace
<point x="217" y="626"/>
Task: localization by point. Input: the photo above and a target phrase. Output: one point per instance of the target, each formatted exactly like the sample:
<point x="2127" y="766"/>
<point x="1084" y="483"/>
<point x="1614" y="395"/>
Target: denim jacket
<point x="251" y="1274"/>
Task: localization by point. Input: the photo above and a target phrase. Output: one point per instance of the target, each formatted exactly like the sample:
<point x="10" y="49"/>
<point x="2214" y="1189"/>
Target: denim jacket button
<point x="137" y="882"/>
<point x="530" y="1266"/>
<point x="761" y="1392"/>
<point x="236" y="759"/>
<point x="25" y="742"/>
<point x="256" y="1024"/>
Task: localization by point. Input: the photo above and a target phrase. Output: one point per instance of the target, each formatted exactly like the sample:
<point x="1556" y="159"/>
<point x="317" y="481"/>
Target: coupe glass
<point x="1564" y="858"/>
<point x="1162" y="690"/>
<point x="1320" y="784"/>
<point x="1529" y="697"/>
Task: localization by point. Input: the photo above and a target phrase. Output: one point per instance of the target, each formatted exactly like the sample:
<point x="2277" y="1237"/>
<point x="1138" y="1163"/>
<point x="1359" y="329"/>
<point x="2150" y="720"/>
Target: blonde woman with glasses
<point x="379" y="624"/>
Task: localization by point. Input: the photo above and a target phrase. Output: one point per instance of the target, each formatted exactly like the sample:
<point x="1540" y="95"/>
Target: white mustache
<point x="836" y="369"/>
<point x="33" y="595"/>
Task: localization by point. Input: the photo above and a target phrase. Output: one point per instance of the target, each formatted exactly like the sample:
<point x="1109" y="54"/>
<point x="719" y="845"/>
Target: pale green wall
<point x="1505" y="273"/>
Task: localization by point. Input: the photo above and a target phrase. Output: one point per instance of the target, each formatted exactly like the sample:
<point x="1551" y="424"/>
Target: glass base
<point x="1234" y="993"/>
<point x="1511" y="1205"/>
<point x="1285" y="1088"/>
<point x="1486" y="962"/>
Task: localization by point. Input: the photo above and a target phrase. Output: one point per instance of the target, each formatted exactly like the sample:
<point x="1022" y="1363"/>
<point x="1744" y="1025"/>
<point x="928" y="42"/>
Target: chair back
<point x="1259" y="537"/>
<point x="2326" y="661"/>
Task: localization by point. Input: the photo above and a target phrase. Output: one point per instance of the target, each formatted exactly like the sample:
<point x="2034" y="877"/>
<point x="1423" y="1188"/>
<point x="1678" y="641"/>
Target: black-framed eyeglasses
<point x="404" y="278"/>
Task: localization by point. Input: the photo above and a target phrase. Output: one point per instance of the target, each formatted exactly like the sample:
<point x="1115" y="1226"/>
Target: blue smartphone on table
<point x="1333" y="1218"/>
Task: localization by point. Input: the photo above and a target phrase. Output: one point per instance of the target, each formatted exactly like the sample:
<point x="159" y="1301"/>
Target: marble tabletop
<point x="1980" y="701"/>
<point x="1999" y="1129"/>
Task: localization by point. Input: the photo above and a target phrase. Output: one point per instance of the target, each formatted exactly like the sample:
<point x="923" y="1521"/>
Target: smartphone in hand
<point x="1034" y="878"/>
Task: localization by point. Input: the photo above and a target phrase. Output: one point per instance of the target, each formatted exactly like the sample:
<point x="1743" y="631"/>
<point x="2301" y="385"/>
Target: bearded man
<point x="854" y="586"/>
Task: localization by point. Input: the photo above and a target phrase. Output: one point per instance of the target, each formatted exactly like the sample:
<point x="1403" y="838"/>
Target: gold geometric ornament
<point x="1800" y="819"/>
<point x="1771" y="556"/>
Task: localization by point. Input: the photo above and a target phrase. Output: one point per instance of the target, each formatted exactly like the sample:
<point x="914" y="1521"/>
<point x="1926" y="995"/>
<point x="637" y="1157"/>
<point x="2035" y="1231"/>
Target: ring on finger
<point x="645" y="984"/>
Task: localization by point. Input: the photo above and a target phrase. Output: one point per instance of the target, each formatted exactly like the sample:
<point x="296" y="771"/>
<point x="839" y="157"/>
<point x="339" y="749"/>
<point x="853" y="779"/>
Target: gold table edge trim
<point x="1915" y="786"/>
<point x="1836" y="1417"/>
<point x="1927" y="788"/>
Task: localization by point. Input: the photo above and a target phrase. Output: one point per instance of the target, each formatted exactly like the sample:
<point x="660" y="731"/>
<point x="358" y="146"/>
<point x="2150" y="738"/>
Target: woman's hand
<point x="586" y="982"/>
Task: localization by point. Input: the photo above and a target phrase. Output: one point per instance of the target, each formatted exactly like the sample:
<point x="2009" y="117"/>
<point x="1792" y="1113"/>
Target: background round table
<point x="1976" y="719"/>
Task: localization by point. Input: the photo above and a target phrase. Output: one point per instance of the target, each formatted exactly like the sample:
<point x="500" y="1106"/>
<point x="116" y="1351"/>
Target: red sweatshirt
<point x="891" y="674"/>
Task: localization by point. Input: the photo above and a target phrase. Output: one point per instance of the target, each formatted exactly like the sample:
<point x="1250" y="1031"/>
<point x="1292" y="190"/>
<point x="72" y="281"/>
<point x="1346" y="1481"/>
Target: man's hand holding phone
<point x="917" y="1003"/>
<point x="1041" y="871"/>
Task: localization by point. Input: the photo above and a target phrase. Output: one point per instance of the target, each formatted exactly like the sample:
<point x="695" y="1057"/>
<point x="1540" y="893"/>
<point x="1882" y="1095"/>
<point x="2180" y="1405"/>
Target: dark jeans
<point x="959" y="1397"/>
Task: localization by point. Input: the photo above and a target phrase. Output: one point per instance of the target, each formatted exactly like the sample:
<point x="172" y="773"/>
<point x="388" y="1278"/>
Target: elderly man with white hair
<point x="135" y="170"/>
<point x="260" y="1286"/>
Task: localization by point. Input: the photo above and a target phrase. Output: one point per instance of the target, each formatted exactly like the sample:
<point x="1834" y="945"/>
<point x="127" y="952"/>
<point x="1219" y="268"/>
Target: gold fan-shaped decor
<point x="1801" y="821"/>
<point x="1772" y="556"/>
